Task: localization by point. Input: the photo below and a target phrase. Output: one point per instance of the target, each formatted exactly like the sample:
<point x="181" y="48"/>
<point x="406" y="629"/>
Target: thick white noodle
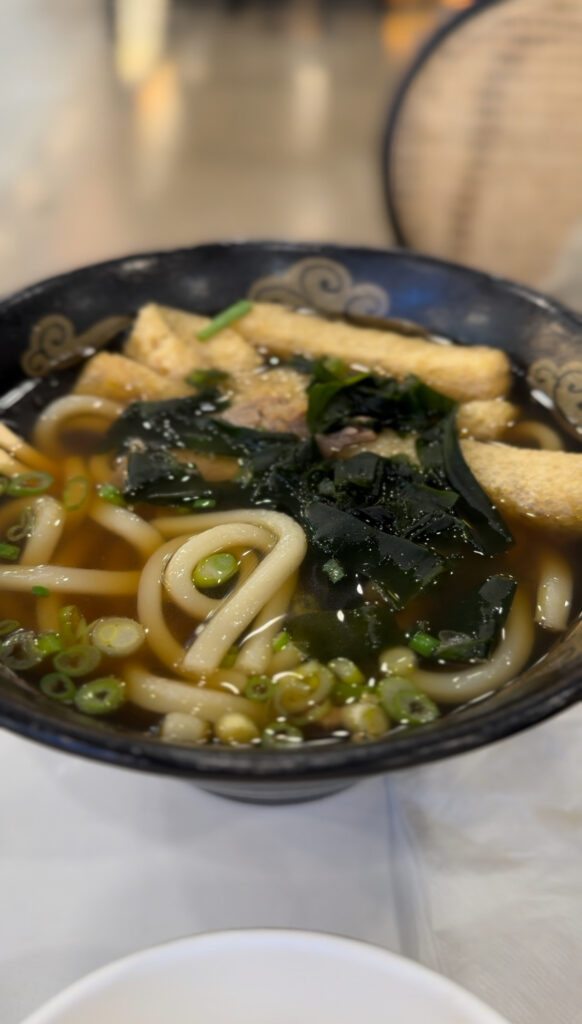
<point x="48" y="519"/>
<point x="256" y="652"/>
<point x="149" y="606"/>
<point x="22" y="578"/>
<point x="508" y="659"/>
<point x="555" y="590"/>
<point x="161" y="695"/>
<point x="178" y="574"/>
<point x="128" y="525"/>
<point x="51" y="420"/>
<point x="240" y="608"/>
<point x="19" y="449"/>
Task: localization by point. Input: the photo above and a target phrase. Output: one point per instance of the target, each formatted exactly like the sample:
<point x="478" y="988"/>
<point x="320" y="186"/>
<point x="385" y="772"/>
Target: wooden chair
<point x="482" y="157"/>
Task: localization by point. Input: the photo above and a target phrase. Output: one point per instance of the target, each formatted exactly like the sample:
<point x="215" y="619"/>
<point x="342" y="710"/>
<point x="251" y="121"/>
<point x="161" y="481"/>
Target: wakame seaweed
<point x="337" y="398"/>
<point x="398" y="525"/>
<point x="351" y="634"/>
<point x="469" y="629"/>
<point x="441" y="458"/>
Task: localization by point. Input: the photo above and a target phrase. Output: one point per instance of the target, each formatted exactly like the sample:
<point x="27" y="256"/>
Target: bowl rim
<point x="451" y="735"/>
<point x="213" y="941"/>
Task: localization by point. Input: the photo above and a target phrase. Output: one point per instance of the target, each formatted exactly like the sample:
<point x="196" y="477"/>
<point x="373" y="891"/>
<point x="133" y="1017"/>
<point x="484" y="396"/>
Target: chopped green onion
<point x="228" y="316"/>
<point x="345" y="692"/>
<point x="100" y="696"/>
<point x="58" y="686"/>
<point x="215" y="569"/>
<point x="41" y="591"/>
<point x="9" y="551"/>
<point x="78" y="660"/>
<point x="4" y="481"/>
<point x="72" y="625"/>
<point x="280" y="641"/>
<point x="20" y="650"/>
<point x="259" y="688"/>
<point x="8" y="626"/>
<point x="203" y="503"/>
<point x="365" y="720"/>
<point x="23" y="528"/>
<point x="423" y="644"/>
<point x="24" y="484"/>
<point x="203" y="378"/>
<point x="75" y="492"/>
<point x="112" y="494"/>
<point x="49" y="643"/>
<point x="117" y="636"/>
<point x="313" y="714"/>
<point x="404" y="702"/>
<point x="230" y="657"/>
<point x="234" y="728"/>
<point x="334" y="570"/>
<point x="346" y="670"/>
<point x="412" y="707"/>
<point x="281" y="734"/>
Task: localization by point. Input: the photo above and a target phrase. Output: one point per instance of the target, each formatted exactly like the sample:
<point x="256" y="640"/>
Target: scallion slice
<point x="117" y="636"/>
<point x="281" y="734"/>
<point x="224" y="319"/>
<point x="72" y="625"/>
<point x="23" y="528"/>
<point x="8" y="626"/>
<point x="406" y="703"/>
<point x="100" y="696"/>
<point x="259" y="688"/>
<point x="49" y="643"/>
<point x="41" y="591"/>
<point x="75" y="492"/>
<point x="9" y="551"/>
<point x="78" y="660"/>
<point x="112" y="494"/>
<point x="215" y="569"/>
<point x="58" y="686"/>
<point x="28" y="484"/>
<point x="20" y="650"/>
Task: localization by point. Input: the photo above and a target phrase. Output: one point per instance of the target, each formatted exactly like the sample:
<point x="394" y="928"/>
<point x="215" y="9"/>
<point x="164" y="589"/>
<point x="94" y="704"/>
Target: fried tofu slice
<point x="165" y="340"/>
<point x="542" y="488"/>
<point x="486" y="420"/>
<point x="462" y="372"/>
<point x="113" y="376"/>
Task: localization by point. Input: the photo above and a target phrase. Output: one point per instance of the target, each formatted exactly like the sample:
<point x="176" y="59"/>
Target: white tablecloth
<point x="472" y="866"/>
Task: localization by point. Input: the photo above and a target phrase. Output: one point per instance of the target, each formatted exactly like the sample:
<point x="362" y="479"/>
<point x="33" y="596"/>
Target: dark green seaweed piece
<point x="470" y="629"/>
<point x="398" y="568"/>
<point x="337" y="398"/>
<point x="355" y="634"/>
<point x="443" y="462"/>
<point x="164" y="423"/>
<point x="156" y="477"/>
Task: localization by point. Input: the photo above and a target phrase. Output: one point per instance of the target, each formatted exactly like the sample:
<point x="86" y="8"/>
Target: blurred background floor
<point x="140" y="124"/>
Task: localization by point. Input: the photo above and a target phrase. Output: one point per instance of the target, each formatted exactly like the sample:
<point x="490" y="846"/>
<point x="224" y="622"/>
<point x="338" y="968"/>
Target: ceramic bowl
<point x="265" y="975"/>
<point x="53" y="323"/>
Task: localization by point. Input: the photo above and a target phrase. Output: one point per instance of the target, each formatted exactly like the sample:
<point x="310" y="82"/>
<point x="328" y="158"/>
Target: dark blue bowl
<point x="51" y="323"/>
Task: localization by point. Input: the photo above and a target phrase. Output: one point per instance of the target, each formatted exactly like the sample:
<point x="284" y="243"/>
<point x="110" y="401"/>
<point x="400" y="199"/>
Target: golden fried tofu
<point x="534" y="485"/>
<point x="165" y="340"/>
<point x="486" y="419"/>
<point x="462" y="372"/>
<point x="113" y="376"/>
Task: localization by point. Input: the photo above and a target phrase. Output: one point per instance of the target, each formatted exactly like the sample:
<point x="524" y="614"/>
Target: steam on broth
<point x="272" y="529"/>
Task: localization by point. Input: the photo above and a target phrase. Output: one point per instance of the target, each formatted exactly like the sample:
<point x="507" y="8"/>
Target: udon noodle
<point x="274" y="556"/>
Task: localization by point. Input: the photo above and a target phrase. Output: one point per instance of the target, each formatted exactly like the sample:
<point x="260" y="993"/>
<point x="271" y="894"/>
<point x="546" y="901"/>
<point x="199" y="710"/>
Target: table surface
<point x="263" y="121"/>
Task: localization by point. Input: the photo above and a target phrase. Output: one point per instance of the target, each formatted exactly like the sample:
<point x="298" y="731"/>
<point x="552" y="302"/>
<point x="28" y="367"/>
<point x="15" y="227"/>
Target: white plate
<point x="264" y="976"/>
